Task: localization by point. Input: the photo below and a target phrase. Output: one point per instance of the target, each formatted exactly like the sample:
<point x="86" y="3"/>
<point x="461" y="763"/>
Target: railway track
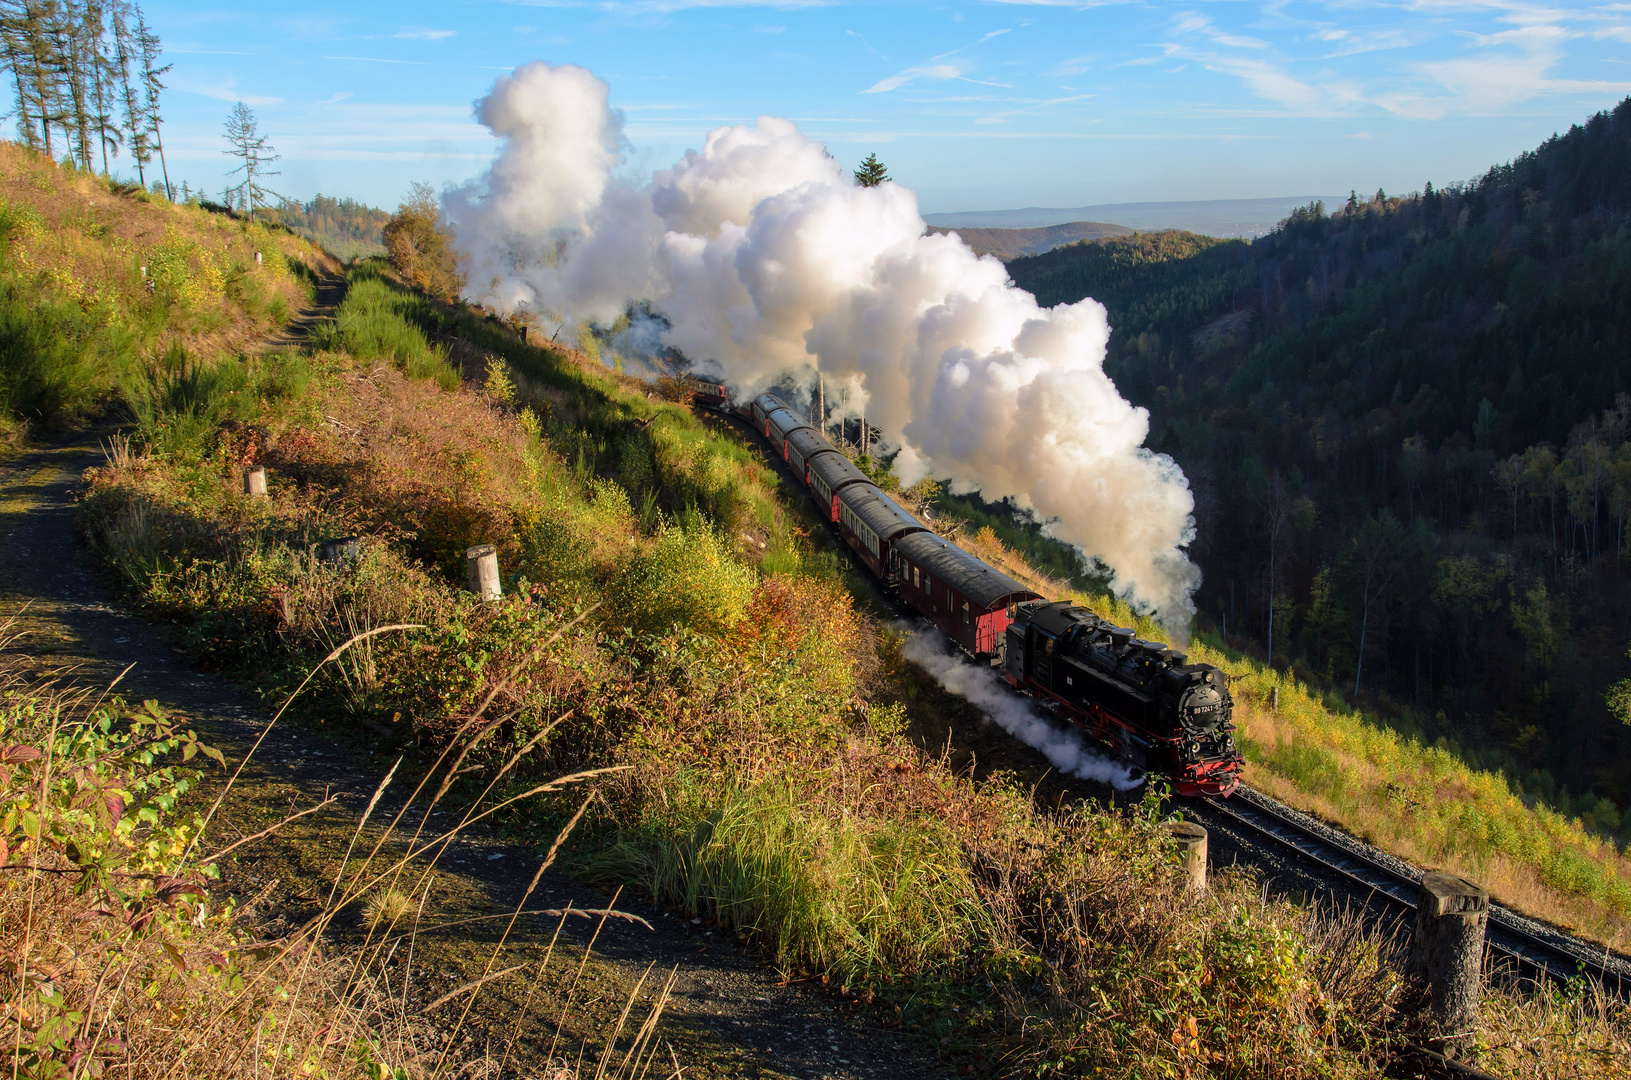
<point x="1531" y="948"/>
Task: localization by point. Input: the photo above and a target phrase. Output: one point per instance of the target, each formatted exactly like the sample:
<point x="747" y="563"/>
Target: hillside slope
<point x="677" y="631"/>
<point x="1414" y="406"/>
<point x="100" y="281"/>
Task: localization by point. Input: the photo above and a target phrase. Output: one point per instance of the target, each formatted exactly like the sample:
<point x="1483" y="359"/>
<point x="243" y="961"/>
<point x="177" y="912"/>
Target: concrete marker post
<point x="255" y="481"/>
<point x="1447" y="951"/>
<point x="1191" y="840"/>
<point x="481" y="564"/>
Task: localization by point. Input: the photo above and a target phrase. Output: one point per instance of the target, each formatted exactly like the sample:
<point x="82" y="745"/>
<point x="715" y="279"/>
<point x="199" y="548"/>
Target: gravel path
<point x="729" y="1015"/>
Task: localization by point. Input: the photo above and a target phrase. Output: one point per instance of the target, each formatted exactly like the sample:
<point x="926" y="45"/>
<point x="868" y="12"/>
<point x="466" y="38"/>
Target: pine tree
<point x="872" y="172"/>
<point x="103" y="79"/>
<point x="29" y="29"/>
<point x="14" y="48"/>
<point x="243" y="133"/>
<point x="135" y="117"/>
<point x="69" y="47"/>
<point x="149" y="47"/>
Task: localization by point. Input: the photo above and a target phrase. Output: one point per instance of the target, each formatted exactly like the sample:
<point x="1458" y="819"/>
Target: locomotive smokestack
<point x="763" y="255"/>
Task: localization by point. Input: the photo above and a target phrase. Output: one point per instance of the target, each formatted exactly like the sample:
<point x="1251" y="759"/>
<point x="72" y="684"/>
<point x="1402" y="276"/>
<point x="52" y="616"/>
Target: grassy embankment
<point x="1420" y="802"/>
<point x="96" y="280"/>
<point x="718" y="659"/>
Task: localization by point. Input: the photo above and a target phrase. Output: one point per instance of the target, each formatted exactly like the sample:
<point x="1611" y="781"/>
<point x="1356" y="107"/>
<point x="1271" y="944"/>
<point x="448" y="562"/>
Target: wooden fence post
<point x="481" y="564"/>
<point x="255" y="481"/>
<point x="1191" y="840"/>
<point x="1447" y="950"/>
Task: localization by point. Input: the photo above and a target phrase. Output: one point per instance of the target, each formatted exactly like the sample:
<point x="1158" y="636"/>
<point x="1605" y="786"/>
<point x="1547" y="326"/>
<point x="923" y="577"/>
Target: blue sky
<point x="976" y="106"/>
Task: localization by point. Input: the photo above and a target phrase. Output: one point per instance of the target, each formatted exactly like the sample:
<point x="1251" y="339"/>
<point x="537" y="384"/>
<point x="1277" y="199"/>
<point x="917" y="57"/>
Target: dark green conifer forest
<point x="1407" y="424"/>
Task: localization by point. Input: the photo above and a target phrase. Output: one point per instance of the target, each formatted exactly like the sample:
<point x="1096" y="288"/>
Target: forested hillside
<point x="1406" y="427"/>
<point x="345" y="227"/>
<point x="1011" y="243"/>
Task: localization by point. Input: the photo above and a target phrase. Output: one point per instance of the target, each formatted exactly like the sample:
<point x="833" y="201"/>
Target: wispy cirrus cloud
<point x="1508" y="67"/>
<point x="1029" y="108"/>
<point x="378" y="60"/>
<point x="226" y="91"/>
<point x="937" y="71"/>
<point x="913" y="74"/>
<point x="420" y="33"/>
<point x="1488" y="73"/>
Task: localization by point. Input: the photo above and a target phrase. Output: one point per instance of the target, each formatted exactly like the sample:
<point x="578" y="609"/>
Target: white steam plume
<point x="768" y="259"/>
<point x="982" y="686"/>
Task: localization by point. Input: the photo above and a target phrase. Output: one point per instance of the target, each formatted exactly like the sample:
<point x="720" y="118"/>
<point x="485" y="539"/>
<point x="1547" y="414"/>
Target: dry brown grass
<point x="123" y="960"/>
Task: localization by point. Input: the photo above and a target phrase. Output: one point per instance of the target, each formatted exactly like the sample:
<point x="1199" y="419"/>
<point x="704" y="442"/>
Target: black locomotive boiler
<point x="1139" y="699"/>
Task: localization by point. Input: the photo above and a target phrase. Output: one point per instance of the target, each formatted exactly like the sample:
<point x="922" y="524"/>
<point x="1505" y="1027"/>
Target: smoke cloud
<point x="984" y="688"/>
<point x="768" y="260"/>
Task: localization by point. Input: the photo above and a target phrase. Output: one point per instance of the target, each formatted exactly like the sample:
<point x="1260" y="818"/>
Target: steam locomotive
<point x="1141" y="700"/>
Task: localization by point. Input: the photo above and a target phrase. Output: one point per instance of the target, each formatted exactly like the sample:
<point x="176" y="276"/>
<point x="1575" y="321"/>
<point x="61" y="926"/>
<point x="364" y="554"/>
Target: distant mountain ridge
<point x="1210" y="217"/>
<point x="1008" y="244"/>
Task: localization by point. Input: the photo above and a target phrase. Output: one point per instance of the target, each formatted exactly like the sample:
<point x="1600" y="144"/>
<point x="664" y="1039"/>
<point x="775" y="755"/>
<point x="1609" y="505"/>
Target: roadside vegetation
<point x="672" y="614"/>
<point x="132" y="949"/>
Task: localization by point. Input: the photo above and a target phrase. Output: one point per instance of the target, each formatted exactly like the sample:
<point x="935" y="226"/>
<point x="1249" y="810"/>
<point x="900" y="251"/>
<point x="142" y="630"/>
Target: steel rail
<point x="1504" y="935"/>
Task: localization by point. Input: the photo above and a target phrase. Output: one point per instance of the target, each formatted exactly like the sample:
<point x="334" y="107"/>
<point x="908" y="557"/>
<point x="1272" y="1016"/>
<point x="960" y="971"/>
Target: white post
<point x="481" y="565"/>
<point x="1191" y="840"/>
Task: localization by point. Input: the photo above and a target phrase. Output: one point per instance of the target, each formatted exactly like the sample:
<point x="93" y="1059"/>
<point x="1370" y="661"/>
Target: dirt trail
<point x="729" y="1017"/>
<point x="293" y="334"/>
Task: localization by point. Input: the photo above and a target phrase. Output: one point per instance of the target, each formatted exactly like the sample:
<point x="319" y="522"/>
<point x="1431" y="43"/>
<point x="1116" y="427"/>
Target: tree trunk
<point x="1364" y="624"/>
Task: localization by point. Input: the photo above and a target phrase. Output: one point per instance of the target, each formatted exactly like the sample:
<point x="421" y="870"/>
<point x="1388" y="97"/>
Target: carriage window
<point x="917" y="578"/>
<point x="965" y="611"/>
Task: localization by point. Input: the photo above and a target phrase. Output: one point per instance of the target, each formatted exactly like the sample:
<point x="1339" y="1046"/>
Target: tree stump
<point x="481" y="564"/>
<point x="1447" y="950"/>
<point x="1191" y="839"/>
<point x="255" y="481"/>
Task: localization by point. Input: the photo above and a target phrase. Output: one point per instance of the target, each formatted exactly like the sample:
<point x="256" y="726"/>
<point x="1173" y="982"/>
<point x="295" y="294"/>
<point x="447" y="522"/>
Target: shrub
<point x="689" y="579"/>
<point x="421" y="247"/>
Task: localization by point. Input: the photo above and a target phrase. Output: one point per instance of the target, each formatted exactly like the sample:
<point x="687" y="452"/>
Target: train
<point x="1141" y="700"/>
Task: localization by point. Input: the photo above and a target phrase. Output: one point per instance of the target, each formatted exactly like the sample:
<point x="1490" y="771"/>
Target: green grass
<point x="373" y="324"/>
<point x="58" y="357"/>
<point x="861" y="901"/>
